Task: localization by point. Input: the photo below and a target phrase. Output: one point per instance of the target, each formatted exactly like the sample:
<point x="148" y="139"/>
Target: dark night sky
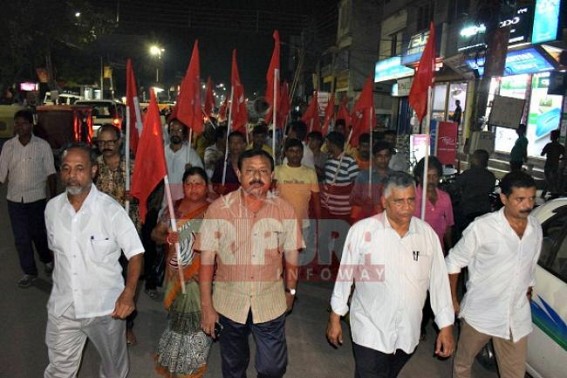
<point x="220" y="26"/>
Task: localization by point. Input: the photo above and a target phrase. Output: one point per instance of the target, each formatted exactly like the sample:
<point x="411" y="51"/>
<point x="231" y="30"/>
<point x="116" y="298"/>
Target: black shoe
<point x="49" y="268"/>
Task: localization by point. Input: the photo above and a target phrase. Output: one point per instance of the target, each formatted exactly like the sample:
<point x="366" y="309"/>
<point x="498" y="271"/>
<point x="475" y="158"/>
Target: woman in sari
<point x="183" y="348"/>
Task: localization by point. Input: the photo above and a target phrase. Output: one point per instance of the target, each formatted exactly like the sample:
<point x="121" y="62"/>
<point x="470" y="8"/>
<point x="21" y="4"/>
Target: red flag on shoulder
<point x="209" y="98"/>
<point x="329" y="113"/>
<point x="189" y="111"/>
<point x="238" y="111"/>
<point x="363" y="113"/>
<point x="271" y="79"/>
<point x="423" y="79"/>
<point x="149" y="167"/>
<point x="133" y="107"/>
<point x="311" y="115"/>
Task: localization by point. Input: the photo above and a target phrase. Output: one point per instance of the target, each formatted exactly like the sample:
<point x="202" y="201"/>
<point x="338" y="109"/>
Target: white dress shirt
<point x="176" y="162"/>
<point x="501" y="267"/>
<point x="392" y="275"/>
<point x="86" y="246"/>
<point x="26" y="168"/>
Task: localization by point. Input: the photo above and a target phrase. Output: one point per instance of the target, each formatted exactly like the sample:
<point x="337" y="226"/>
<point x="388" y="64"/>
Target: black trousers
<point x="370" y="363"/>
<point x="28" y="227"/>
<point x="271" y="347"/>
<point x="150" y="255"/>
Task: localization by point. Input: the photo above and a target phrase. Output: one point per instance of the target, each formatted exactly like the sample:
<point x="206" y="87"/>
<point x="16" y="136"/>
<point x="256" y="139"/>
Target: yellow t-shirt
<point x="295" y="185"/>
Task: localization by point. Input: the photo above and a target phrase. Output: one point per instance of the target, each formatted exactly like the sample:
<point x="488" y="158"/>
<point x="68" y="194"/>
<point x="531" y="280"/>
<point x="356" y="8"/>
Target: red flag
<point x="209" y="98"/>
<point x="423" y="79"/>
<point x="222" y="110"/>
<point x="343" y="113"/>
<point x="363" y="115"/>
<point x="189" y="110"/>
<point x="284" y="105"/>
<point x="133" y="107"/>
<point x="329" y="113"/>
<point x="238" y="111"/>
<point x="149" y="167"/>
<point x="311" y="115"/>
<point x="271" y="79"/>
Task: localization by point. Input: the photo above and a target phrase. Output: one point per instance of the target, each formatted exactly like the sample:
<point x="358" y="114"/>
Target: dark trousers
<point x="150" y="269"/>
<point x="28" y="226"/>
<point x="370" y="363"/>
<point x="271" y="347"/>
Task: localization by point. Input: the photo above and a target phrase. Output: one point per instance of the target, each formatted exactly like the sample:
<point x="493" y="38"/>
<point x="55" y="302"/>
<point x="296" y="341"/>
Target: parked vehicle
<point x="61" y="99"/>
<point x="106" y="111"/>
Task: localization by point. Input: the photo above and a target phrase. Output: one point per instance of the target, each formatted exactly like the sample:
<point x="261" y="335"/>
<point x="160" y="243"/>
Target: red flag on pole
<point x="424" y="77"/>
<point x="149" y="167"/>
<point x="363" y="117"/>
<point x="223" y="110"/>
<point x="270" y="76"/>
<point x="238" y="111"/>
<point x="133" y="106"/>
<point x="329" y="112"/>
<point x="209" y="98"/>
<point x="343" y="112"/>
<point x="284" y="105"/>
<point x="311" y="115"/>
<point x="188" y="106"/>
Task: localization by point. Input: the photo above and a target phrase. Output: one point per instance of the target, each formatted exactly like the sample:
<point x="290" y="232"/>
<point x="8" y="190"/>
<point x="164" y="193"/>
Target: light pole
<point x="156" y="51"/>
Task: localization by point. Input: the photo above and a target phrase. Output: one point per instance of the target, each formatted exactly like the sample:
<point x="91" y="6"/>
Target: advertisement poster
<point x="418" y="144"/>
<point x="511" y="86"/>
<point x="447" y="142"/>
<point x="544" y="114"/>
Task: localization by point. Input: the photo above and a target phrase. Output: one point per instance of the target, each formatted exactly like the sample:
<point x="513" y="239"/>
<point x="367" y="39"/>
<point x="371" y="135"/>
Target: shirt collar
<point x="412" y="227"/>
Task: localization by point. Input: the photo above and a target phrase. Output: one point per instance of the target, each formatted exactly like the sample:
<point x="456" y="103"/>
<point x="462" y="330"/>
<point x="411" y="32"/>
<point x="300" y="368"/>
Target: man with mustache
<point x="26" y="163"/>
<point x="179" y="156"/>
<point x="249" y="244"/>
<point x="501" y="250"/>
<point x="87" y="231"/>
<point x="111" y="179"/>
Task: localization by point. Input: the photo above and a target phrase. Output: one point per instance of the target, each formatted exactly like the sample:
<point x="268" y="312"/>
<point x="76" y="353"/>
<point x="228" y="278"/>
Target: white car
<point x="106" y="111"/>
<point x="547" y="344"/>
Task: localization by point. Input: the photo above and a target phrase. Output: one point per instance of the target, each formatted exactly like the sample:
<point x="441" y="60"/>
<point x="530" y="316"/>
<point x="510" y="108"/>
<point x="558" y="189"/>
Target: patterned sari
<point x="183" y="347"/>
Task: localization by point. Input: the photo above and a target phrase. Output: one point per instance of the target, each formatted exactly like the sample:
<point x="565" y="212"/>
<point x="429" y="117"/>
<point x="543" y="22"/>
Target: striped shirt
<point x="26" y="168"/>
<point x="338" y="184"/>
<point x="249" y="250"/>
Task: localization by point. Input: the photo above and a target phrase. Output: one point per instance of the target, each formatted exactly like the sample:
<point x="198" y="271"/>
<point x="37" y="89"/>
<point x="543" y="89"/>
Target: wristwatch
<point x="291" y="291"/>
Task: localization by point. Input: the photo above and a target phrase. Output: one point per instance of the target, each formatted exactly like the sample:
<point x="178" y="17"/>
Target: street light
<point x="156" y="51"/>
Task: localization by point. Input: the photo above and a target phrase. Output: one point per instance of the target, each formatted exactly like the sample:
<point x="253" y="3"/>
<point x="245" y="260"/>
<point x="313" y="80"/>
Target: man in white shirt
<point x="26" y="163"/>
<point x="393" y="259"/>
<point x="501" y="250"/>
<point x="87" y="231"/>
<point x="179" y="156"/>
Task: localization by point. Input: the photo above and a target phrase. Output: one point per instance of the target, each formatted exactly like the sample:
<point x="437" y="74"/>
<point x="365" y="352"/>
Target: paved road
<point x="23" y="318"/>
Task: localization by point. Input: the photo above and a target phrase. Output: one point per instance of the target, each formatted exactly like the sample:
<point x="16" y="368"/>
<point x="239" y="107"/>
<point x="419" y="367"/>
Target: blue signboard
<point x="546" y="20"/>
<point x="391" y="69"/>
<point x="518" y="62"/>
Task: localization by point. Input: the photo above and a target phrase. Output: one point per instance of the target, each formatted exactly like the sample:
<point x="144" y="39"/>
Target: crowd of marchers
<point x="244" y="220"/>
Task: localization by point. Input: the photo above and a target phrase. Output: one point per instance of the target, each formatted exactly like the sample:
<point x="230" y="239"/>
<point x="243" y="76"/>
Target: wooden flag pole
<point x="275" y="110"/>
<point x="127" y="161"/>
<point x="227" y="134"/>
<point x="426" y="158"/>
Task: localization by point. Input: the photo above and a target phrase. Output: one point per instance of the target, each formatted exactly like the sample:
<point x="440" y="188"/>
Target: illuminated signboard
<point x="546" y="20"/>
<point x="415" y="47"/>
<point x="472" y="36"/>
<point x="517" y="62"/>
<point x="391" y="69"/>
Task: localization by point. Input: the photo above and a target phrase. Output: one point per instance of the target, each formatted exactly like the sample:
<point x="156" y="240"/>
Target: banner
<point x="447" y="142"/>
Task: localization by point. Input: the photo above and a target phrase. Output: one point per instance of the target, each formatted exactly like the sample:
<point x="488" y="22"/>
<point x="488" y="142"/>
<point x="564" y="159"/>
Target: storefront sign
<point x="473" y="36"/>
<point x="447" y="142"/>
<point x="342" y="81"/>
<point x="543" y="116"/>
<point x="391" y="69"/>
<point x="546" y="20"/>
<point x="518" y="62"/>
<point x="415" y="47"/>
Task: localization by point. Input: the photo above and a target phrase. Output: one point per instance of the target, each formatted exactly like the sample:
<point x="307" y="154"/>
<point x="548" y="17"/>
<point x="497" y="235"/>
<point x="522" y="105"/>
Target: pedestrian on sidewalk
<point x="26" y="163"/>
<point x="501" y="250"/>
<point x="392" y="259"/>
<point x="88" y="230"/>
<point x="554" y="152"/>
<point x="519" y="153"/>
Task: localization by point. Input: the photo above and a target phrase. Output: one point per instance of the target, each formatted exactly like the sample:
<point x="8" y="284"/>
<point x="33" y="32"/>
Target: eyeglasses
<point x="107" y="142"/>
